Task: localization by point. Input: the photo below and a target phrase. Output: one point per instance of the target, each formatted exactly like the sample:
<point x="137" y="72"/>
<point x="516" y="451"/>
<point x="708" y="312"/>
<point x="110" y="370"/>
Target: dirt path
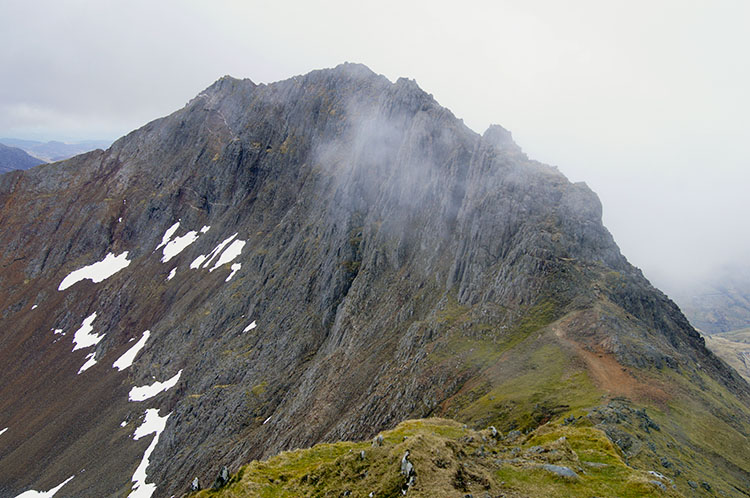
<point x="607" y="373"/>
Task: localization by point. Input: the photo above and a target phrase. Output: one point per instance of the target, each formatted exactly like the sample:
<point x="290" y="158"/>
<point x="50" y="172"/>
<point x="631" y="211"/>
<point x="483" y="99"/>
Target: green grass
<point x="534" y="383"/>
<point x="619" y="481"/>
<point x="477" y="343"/>
<point x="259" y="389"/>
<point x="449" y="461"/>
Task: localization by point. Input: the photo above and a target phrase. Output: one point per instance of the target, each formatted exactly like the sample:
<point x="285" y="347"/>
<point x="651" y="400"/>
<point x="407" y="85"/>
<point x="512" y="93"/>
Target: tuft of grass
<point x="259" y="389"/>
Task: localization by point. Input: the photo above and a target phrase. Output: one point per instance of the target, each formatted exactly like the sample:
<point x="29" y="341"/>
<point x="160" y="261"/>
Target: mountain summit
<point x="318" y="259"/>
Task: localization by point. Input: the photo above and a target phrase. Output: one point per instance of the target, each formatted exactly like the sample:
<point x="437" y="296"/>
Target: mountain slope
<point x="319" y="259"/>
<point x="12" y="158"/>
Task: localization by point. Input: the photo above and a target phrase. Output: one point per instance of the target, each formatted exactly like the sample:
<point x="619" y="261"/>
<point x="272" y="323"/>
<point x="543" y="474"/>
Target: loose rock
<point x="560" y="470"/>
<point x="222" y="479"/>
<point x="658" y="484"/>
<point x="407" y="470"/>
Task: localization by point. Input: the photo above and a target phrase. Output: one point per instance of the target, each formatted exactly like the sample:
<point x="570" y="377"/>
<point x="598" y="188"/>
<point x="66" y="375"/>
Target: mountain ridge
<point x="13" y="158"/>
<point x="397" y="264"/>
<point x="54" y="150"/>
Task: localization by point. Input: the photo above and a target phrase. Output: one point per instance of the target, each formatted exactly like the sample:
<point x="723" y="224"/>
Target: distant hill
<point x="53" y="150"/>
<point x="740" y="336"/>
<point x="12" y="158"/>
<point x="734" y="348"/>
<point x="721" y="305"/>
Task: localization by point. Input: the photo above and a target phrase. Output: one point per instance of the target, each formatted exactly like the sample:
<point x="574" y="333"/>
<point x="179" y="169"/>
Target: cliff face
<point x="348" y="255"/>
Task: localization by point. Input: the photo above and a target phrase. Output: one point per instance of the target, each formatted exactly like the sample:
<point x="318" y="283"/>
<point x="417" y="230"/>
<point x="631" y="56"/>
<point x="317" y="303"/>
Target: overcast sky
<point x="646" y="101"/>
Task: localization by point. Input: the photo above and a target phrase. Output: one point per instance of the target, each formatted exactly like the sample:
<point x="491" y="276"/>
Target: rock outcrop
<point x="314" y="259"/>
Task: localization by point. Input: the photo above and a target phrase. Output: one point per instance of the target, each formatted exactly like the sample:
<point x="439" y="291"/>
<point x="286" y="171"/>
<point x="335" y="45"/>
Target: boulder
<point x="560" y="471"/>
<point x="407" y="470"/>
<point x="222" y="479"/>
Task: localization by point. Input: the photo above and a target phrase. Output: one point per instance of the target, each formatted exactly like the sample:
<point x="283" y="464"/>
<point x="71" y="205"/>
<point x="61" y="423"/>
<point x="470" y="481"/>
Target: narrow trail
<point x="608" y="374"/>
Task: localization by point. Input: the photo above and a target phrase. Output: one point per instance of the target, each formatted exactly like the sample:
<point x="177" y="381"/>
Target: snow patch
<point x="168" y="235"/>
<point x="152" y="424"/>
<point x="58" y="331"/>
<point x="44" y="494"/>
<point x="235" y="268"/>
<point x="90" y="362"/>
<point x="205" y="259"/>
<point x="197" y="262"/>
<point x="127" y="359"/>
<point x="229" y="254"/>
<point x="225" y="255"/>
<point x="176" y="246"/>
<point x="83" y="337"/>
<point x="1" y="431"/>
<point x="145" y="392"/>
<point x="98" y="271"/>
<point x="250" y="327"/>
<point x="267" y="420"/>
<point x="123" y="423"/>
<point x="34" y="307"/>
<point x="172" y="273"/>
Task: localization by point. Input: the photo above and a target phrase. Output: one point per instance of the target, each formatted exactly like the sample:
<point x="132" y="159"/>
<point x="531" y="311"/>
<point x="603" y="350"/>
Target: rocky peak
<point x="314" y="259"/>
<point x="352" y="70"/>
<point x="228" y="84"/>
<point x="499" y="137"/>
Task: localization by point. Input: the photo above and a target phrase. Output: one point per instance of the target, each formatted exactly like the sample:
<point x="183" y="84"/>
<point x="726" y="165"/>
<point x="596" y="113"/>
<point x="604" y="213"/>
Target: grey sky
<point x="646" y="101"/>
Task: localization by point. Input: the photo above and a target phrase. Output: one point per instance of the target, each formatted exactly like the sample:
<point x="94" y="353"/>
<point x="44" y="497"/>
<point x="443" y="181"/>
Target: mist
<point x="646" y="102"/>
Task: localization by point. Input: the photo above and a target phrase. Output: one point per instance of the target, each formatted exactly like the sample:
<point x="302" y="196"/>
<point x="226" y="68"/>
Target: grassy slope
<point x="701" y="438"/>
<point x="530" y="379"/>
<point x="451" y="460"/>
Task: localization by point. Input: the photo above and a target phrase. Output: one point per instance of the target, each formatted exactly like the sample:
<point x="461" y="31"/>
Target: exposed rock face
<point x="364" y="214"/>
